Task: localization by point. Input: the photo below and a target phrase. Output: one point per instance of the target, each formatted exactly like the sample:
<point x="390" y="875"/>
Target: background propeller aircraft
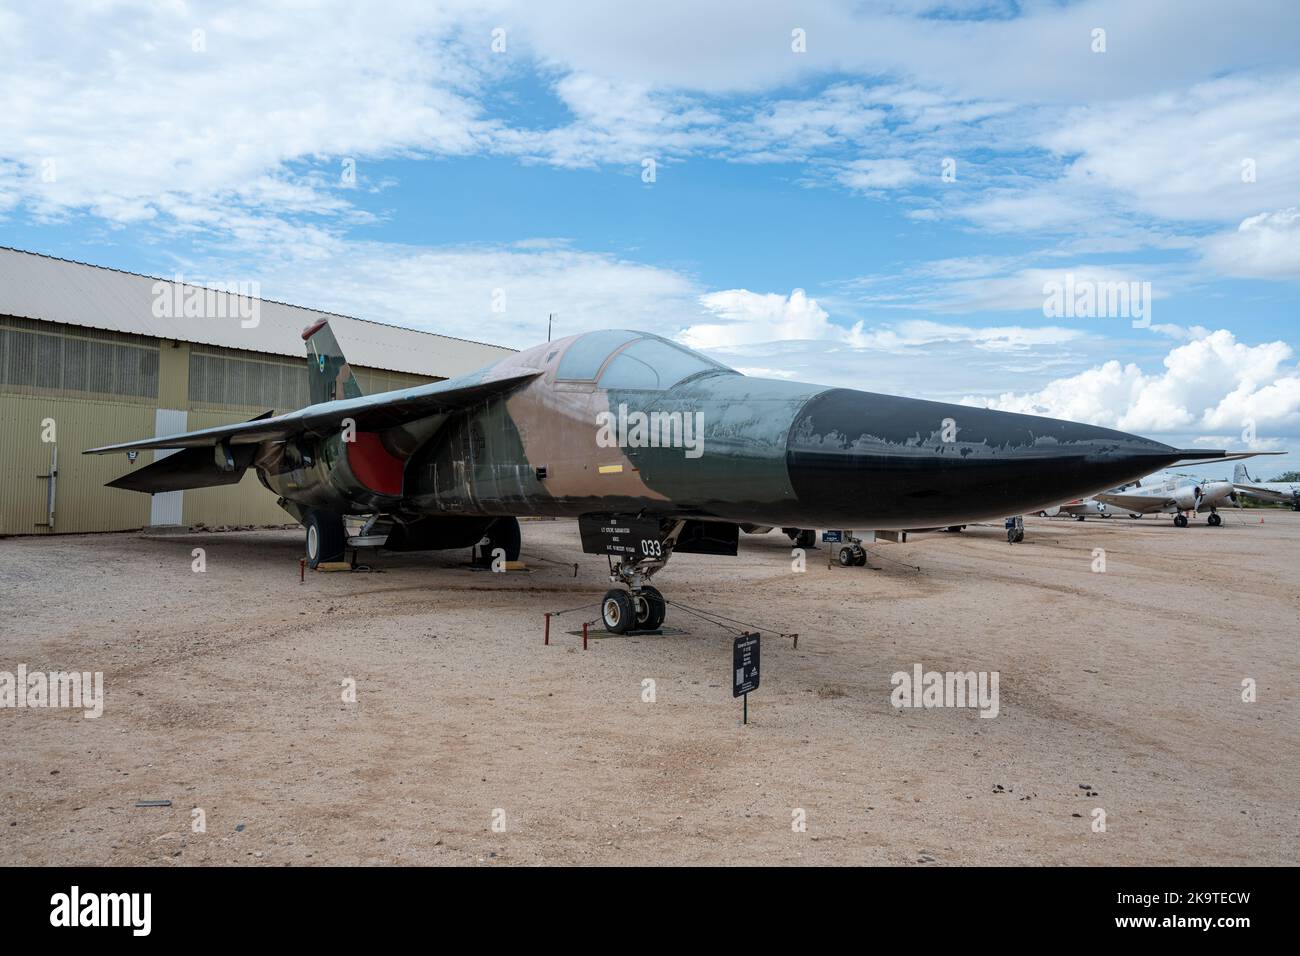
<point x="655" y="449"/>
<point x="1172" y="494"/>
<point x="1287" y="492"/>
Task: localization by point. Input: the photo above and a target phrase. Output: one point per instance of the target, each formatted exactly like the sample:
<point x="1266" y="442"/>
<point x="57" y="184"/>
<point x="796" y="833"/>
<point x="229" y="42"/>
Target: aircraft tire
<point x="326" y="537"/>
<point x="616" y="611"/>
<point x="806" y="538"/>
<point x="651" y="609"/>
<point x="1180" y="521"/>
<point x="1214" y="520"/>
<point x="504" y="534"/>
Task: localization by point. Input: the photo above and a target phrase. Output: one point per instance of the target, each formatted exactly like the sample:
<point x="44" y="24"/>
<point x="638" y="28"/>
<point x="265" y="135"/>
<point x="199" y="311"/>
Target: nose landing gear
<point x="641" y="607"/>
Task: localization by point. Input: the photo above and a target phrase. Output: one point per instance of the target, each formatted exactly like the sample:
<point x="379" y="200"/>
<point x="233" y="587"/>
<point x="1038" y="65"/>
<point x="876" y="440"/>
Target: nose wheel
<point x="1215" y="519"/>
<point x="627" y="612"/>
<point x="635" y="605"/>
<point x="1180" y="521"/>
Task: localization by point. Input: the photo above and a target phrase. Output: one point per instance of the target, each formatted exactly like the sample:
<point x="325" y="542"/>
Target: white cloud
<point x="1209" y="385"/>
<point x="986" y="284"/>
<point x="458" y="290"/>
<point x="141" y="128"/>
<point x="111" y="108"/>
<point x="872" y="174"/>
<point x="1183" y="156"/>
<point x="922" y="333"/>
<point x="733" y="46"/>
<point x="1266" y="246"/>
<point x="748" y="318"/>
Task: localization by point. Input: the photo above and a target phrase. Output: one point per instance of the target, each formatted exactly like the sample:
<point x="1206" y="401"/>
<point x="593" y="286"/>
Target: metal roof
<point x="34" y="286"/>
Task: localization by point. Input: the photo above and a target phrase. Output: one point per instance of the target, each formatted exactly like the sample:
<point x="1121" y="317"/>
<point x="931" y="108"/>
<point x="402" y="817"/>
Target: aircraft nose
<point x="874" y="458"/>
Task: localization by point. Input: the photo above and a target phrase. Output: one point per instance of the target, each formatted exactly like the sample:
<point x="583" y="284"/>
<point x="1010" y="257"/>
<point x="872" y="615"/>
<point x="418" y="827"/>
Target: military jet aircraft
<point x="655" y="449"/>
<point x="1287" y="492"/>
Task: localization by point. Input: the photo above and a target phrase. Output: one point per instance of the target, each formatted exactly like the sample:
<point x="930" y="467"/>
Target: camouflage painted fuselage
<point x="769" y="453"/>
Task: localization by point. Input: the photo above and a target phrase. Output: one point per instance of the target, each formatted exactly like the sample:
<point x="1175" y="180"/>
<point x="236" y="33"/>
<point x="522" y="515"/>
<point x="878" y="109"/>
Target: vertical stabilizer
<point x="329" y="376"/>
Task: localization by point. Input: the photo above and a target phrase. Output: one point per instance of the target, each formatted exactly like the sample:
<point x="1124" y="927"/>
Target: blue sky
<point x="799" y="222"/>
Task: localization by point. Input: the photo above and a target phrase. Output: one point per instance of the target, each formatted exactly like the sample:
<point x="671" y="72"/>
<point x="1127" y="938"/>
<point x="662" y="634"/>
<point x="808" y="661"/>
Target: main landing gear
<point x="640" y="607"/>
<point x="853" y="556"/>
<point x="802" y="537"/>
<point x="502" y="534"/>
<point x="326" y="537"/>
<point x="1213" y="520"/>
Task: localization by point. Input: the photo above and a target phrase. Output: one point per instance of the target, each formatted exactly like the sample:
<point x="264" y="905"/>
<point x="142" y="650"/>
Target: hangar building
<point x="91" y="356"/>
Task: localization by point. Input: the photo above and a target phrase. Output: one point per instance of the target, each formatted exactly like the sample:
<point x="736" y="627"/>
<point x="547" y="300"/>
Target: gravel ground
<point x="223" y="692"/>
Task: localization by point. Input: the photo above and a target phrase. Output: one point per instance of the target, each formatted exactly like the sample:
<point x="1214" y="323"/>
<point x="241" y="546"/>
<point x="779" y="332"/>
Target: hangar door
<point x="167" y="508"/>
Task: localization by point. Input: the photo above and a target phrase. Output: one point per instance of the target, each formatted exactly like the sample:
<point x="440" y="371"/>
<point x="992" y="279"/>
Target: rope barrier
<point x="749" y="627"/>
<point x="539" y="557"/>
<point x="914" y="567"/>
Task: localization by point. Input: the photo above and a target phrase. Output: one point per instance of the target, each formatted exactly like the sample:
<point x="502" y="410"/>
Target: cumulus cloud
<point x="1266" y="246"/>
<point x="748" y="318"/>
<point x="1207" y="386"/>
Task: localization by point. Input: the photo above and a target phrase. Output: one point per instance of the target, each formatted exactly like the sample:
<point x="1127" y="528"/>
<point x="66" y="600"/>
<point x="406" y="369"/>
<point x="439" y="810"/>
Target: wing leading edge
<point x="370" y="412"/>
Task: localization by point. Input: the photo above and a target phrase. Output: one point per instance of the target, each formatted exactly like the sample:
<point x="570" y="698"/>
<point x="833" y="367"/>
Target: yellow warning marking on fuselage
<point x="610" y="469"/>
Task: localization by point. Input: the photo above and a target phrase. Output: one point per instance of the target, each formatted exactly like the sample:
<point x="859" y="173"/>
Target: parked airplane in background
<point x="652" y="447"/>
<point x="1175" y="494"/>
<point x="1284" y="491"/>
<point x="1079" y="509"/>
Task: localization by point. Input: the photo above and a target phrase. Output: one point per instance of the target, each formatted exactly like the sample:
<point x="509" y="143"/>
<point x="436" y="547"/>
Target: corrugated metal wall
<point x="82" y="502"/>
<point x="103" y="387"/>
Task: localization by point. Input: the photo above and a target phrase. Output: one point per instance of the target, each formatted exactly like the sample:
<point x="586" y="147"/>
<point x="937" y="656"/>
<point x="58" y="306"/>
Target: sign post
<point x="744" y="668"/>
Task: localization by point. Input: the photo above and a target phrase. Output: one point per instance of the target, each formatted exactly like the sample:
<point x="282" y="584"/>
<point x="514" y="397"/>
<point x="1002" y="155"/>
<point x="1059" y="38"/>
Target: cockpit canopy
<point x="618" y="358"/>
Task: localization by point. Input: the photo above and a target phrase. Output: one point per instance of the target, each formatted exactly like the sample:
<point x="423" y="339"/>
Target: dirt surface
<point x="224" y="693"/>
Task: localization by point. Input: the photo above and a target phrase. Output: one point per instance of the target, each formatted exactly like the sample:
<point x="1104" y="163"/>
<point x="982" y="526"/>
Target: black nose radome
<point x="858" y="459"/>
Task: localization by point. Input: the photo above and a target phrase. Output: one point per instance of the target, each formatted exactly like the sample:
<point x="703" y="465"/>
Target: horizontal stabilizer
<point x="191" y="468"/>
